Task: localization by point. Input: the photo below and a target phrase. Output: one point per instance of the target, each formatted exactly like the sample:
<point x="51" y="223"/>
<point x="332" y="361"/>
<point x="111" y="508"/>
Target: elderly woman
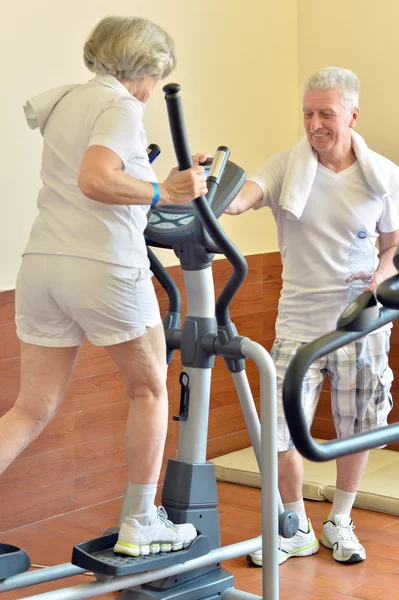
<point x="85" y="270"/>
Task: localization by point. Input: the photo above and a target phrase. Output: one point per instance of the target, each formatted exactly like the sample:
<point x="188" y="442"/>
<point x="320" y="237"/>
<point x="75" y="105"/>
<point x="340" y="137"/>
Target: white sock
<point x="342" y="505"/>
<point x="298" y="507"/>
<point x="141" y="502"/>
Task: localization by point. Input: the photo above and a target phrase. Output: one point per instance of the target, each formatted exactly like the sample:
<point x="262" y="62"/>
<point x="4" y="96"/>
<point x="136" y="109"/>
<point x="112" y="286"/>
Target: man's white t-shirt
<point x="100" y="112"/>
<point x="314" y="249"/>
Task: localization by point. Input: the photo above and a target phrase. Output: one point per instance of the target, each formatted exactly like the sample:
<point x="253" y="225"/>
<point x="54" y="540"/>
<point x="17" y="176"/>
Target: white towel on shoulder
<point x="381" y="174"/>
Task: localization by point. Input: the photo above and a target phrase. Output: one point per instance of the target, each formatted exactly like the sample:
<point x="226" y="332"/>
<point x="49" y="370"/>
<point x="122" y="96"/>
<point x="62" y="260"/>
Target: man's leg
<point x="290" y="464"/>
<point x="304" y="542"/>
<point x="338" y="532"/>
<point x="290" y="467"/>
<point x="360" y="388"/>
<point x="290" y="482"/>
<point x="350" y="470"/>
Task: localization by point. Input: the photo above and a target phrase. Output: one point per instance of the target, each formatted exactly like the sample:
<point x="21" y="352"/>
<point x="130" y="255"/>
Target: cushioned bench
<point x="378" y="490"/>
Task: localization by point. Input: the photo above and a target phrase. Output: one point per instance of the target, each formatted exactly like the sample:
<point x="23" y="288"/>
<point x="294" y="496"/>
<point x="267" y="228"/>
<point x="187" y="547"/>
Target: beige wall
<point x="361" y="35"/>
<point x="231" y="57"/>
<point x="239" y="69"/>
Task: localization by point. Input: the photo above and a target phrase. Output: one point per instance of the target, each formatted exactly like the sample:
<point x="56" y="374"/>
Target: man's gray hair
<point x="335" y="78"/>
<point x="129" y="48"/>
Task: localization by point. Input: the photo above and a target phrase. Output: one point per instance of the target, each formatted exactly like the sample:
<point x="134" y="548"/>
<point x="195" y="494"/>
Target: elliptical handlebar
<point x="177" y="126"/>
<point x="205" y="214"/>
<point x="292" y="398"/>
<point x="217" y="169"/>
<point x="388" y="292"/>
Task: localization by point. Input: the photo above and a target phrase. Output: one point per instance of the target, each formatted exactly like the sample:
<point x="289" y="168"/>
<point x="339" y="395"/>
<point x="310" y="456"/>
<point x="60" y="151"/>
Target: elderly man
<point x="321" y="192"/>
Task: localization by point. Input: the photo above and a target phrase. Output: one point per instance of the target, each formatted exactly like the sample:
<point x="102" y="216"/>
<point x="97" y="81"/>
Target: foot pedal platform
<point x="13" y="561"/>
<point x="98" y="556"/>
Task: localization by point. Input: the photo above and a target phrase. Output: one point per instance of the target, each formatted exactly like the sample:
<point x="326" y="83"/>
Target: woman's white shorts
<point x="62" y="299"/>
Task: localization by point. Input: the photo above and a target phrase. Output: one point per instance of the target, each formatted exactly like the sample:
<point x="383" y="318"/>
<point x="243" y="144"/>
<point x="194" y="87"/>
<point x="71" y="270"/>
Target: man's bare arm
<point x="250" y="195"/>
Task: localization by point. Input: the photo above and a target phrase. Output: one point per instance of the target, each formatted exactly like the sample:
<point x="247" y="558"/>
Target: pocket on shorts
<point x="125" y="273"/>
<point x="132" y="275"/>
<point x="386" y="375"/>
<point x="383" y="394"/>
<point x="386" y="378"/>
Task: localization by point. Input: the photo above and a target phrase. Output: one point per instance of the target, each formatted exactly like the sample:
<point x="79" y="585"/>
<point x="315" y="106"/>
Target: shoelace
<point x="163" y="517"/>
<point x="346" y="533"/>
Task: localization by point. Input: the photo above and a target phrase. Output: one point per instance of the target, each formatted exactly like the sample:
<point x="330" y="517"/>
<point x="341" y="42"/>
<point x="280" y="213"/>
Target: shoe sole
<point x="308" y="551"/>
<point x="253" y="562"/>
<point x="353" y="558"/>
<point x="146" y="550"/>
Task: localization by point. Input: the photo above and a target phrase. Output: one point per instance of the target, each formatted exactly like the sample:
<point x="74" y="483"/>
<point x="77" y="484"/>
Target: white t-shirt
<point x="100" y="112"/>
<point x="314" y="249"/>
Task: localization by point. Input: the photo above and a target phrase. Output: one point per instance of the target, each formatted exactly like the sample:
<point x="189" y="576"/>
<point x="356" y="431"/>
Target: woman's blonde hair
<point x="129" y="48"/>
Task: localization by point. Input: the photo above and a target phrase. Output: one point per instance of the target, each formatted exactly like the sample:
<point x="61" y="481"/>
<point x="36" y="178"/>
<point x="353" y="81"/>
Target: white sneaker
<point x="303" y="543"/>
<point x="338" y="535"/>
<point x="161" y="536"/>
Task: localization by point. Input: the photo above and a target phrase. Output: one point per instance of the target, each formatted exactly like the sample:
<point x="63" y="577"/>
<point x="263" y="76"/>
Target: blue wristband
<point x="157" y="194"/>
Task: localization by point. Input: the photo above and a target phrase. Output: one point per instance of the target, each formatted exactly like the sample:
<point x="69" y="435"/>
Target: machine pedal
<point x="13" y="561"/>
<point x="98" y="556"/>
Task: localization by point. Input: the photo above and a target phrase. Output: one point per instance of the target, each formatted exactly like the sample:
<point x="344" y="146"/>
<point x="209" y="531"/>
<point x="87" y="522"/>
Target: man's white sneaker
<point x="303" y="543"/>
<point x="161" y="536"/>
<point x="338" y="535"/>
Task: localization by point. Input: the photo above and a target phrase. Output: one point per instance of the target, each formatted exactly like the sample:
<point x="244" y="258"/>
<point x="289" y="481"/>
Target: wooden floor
<point x="317" y="577"/>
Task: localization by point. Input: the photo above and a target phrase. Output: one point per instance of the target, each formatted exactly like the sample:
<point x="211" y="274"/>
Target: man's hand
<point x="375" y="282"/>
<point x="364" y="276"/>
<point x="387" y="244"/>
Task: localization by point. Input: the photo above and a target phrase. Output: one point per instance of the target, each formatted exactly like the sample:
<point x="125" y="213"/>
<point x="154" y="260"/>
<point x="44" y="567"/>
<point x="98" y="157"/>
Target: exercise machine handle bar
<point x="167" y="282"/>
<point x="292" y="397"/>
<point x="217" y="169"/>
<point x="204" y="212"/>
<point x="388" y="290"/>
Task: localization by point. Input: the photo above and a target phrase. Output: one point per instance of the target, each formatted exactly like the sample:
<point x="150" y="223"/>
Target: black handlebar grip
<point x="396" y="258"/>
<point x="153" y="151"/>
<point x="205" y="214"/>
<point x="388" y="292"/>
<point x="177" y="126"/>
<point x="172" y="88"/>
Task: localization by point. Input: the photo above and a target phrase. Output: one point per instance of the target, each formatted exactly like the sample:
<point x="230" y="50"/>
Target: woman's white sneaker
<point x="161" y="536"/>
<point x="338" y="535"/>
<point x="303" y="543"/>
